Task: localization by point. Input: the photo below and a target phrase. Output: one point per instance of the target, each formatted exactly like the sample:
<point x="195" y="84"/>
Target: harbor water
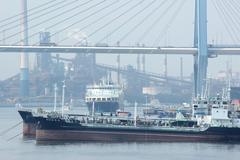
<point x="14" y="147"/>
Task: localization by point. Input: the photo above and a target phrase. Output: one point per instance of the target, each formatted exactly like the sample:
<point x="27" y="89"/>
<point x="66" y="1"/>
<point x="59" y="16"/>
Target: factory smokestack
<point x="24" y="70"/>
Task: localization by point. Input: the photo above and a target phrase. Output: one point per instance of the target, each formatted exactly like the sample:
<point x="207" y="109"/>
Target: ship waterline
<point x="106" y="136"/>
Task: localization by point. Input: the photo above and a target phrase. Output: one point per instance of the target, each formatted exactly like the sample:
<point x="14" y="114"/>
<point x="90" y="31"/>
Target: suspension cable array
<point x="103" y="20"/>
<point x="228" y="13"/>
<point x="19" y="14"/>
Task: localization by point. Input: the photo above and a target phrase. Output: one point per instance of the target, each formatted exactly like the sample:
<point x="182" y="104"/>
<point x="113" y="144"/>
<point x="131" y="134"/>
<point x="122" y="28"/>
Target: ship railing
<point x="25" y="109"/>
<point x="117" y="121"/>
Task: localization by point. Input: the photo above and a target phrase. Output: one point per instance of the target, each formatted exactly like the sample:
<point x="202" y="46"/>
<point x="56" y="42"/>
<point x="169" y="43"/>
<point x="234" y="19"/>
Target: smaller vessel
<point x="104" y="97"/>
<point x="30" y="119"/>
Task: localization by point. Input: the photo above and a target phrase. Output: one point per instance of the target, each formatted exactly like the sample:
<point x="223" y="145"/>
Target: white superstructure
<point x="103" y="92"/>
<point x="215" y="112"/>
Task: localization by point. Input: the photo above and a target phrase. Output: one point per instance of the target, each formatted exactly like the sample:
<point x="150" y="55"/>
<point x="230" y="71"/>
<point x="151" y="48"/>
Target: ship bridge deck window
<point x="115" y="99"/>
<point x="224" y="102"/>
<point x="214" y="106"/>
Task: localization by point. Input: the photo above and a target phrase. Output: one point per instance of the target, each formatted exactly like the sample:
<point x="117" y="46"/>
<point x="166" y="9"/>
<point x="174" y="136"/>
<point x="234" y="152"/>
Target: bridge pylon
<point x="201" y="60"/>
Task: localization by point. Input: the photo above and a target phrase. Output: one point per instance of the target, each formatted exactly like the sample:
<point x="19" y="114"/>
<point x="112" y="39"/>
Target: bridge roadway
<point x="213" y="51"/>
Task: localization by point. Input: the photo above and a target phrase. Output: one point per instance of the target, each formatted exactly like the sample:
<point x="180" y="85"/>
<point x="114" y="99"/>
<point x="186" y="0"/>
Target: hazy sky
<point x="178" y="33"/>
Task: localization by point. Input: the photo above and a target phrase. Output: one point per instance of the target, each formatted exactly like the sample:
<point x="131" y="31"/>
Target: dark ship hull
<point x="100" y="107"/>
<point x="56" y="129"/>
<point x="29" y="122"/>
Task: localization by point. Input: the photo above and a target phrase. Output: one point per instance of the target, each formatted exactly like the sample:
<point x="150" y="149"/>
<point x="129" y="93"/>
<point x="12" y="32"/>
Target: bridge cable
<point x="154" y="24"/>
<point x="72" y="16"/>
<point x="85" y="10"/>
<point x="114" y="19"/>
<point x="229" y="14"/>
<point x="222" y="12"/>
<point x="20" y="14"/>
<point x="236" y="7"/>
<point x="229" y="18"/>
<point x="100" y="18"/>
<point x="232" y="9"/>
<point x="65" y="19"/>
<point x="128" y="20"/>
<point x="41" y="15"/>
<point x="221" y="17"/>
<point x="84" y="18"/>
<point x="236" y="4"/>
<point x="142" y="21"/>
<point x="171" y="20"/>
<point x="49" y="19"/>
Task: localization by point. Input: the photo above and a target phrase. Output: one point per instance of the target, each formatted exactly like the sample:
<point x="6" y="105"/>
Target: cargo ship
<point x="126" y="130"/>
<point x="103" y="97"/>
<point x="213" y="119"/>
<point x="218" y="126"/>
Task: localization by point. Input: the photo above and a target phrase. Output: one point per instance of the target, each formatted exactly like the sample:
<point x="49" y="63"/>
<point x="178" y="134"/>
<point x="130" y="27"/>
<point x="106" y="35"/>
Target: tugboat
<point x="104" y="97"/>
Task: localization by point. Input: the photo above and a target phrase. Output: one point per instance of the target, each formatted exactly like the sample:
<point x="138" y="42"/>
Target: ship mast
<point x="93" y="108"/>
<point x="135" y="114"/>
<point x="63" y="95"/>
<point x="55" y="97"/>
<point x="229" y="79"/>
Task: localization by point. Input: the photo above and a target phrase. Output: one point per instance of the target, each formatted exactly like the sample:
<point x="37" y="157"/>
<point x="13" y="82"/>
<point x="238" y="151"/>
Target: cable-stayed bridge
<point x="121" y="18"/>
